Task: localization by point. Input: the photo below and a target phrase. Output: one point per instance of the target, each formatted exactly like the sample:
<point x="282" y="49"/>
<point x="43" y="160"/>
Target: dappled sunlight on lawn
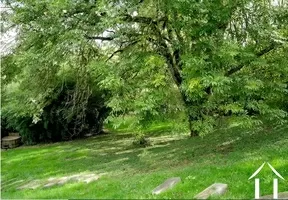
<point x="226" y="157"/>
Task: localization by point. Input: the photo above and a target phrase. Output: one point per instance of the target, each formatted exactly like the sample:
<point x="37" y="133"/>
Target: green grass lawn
<point x="133" y="172"/>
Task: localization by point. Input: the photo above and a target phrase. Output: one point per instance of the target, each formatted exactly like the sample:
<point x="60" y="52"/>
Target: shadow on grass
<point x="115" y="154"/>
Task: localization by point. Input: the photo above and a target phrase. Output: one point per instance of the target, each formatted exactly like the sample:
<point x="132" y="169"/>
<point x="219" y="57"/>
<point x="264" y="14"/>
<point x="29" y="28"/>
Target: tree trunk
<point x="173" y="66"/>
<point x="193" y="133"/>
<point x="188" y="105"/>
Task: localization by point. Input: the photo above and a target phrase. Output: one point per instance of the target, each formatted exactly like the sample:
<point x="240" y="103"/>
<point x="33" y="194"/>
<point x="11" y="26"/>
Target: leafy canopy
<point x="208" y="58"/>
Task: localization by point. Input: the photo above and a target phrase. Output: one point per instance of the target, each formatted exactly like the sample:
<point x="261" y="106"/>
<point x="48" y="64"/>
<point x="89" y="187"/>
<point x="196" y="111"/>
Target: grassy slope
<point x="135" y="172"/>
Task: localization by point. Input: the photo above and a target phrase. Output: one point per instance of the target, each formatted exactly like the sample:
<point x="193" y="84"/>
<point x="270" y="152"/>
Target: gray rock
<point x="50" y="184"/>
<point x="214" y="189"/>
<point x="281" y="195"/>
<point x="93" y="178"/>
<point x="86" y="178"/>
<point x="169" y="183"/>
<point x="31" y="185"/>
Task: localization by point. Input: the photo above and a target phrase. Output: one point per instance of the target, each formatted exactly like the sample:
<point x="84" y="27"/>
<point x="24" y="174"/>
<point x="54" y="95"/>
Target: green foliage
<point x="158" y="58"/>
<point x="141" y="87"/>
<point x="224" y="58"/>
<point x="51" y="79"/>
<point x="59" y="119"/>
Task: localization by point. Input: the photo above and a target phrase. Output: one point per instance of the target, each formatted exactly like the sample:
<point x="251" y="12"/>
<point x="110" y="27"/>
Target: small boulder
<point x="214" y="189"/>
<point x="168" y="184"/>
<point x="88" y="135"/>
<point x="31" y="185"/>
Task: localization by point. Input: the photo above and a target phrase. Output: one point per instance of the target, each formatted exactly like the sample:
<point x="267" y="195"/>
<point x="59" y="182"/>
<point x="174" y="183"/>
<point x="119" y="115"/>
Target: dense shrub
<point x="61" y="119"/>
<point x="5" y="130"/>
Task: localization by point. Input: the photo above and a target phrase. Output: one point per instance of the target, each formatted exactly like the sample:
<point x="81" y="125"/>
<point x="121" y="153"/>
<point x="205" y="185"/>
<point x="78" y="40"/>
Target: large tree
<point x="225" y="57"/>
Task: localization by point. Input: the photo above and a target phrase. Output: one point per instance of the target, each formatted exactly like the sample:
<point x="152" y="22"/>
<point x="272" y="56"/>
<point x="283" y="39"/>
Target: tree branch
<point x="99" y="38"/>
<point x="271" y="47"/>
<point x="121" y="50"/>
<point x="143" y="20"/>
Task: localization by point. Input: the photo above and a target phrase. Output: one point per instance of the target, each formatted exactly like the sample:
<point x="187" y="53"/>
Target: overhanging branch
<point x="99" y="38"/>
<point x="141" y="19"/>
<point x="121" y="49"/>
<point x="271" y="47"/>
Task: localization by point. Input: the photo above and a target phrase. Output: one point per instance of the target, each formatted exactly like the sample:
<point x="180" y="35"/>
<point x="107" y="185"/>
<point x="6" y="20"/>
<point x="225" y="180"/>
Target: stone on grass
<point x="63" y="180"/>
<point x="56" y="181"/>
<point x="86" y="178"/>
<point x="9" y="184"/>
<point x="31" y="185"/>
<point x="50" y="184"/>
<point x="214" y="189"/>
<point x="94" y="178"/>
<point x="169" y="183"/>
<point x="281" y="195"/>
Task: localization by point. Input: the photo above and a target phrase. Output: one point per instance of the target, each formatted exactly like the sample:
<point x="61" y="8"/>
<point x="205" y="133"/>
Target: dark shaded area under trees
<point x="55" y="124"/>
